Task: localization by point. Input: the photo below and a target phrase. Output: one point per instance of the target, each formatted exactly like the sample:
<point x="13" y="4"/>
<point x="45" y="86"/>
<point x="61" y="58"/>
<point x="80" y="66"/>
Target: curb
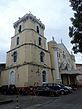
<point x="6" y="101"/>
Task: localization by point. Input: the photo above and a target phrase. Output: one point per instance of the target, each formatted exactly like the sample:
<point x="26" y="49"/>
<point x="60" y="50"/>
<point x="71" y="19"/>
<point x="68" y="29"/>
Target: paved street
<point x="72" y="101"/>
<point x="26" y="101"/>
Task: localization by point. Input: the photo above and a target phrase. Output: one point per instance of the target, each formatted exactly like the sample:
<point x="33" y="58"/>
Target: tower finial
<point x="29" y="12"/>
<point x="61" y="40"/>
<point x="53" y="38"/>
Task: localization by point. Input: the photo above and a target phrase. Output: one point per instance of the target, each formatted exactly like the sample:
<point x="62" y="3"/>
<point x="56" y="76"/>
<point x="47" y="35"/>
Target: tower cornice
<point x="29" y="16"/>
<point x="28" y="44"/>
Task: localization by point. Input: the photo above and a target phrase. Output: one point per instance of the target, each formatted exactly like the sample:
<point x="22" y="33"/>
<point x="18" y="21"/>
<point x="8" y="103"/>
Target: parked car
<point x="57" y="88"/>
<point x="12" y="89"/>
<point x="22" y="91"/>
<point x="70" y="90"/>
<point x="4" y="89"/>
<point x="49" y="84"/>
<point x="8" y="89"/>
<point x="46" y="91"/>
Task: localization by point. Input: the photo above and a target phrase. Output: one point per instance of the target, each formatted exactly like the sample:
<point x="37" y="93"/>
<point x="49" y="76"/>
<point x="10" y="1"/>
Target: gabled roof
<point x="62" y="46"/>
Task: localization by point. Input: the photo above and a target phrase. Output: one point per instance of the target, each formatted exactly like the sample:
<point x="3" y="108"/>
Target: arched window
<point x="39" y="40"/>
<point x="44" y="76"/>
<point x="19" y="29"/>
<point x="37" y="29"/>
<point x="12" y="78"/>
<point x="15" y="56"/>
<point x="17" y="40"/>
<point x="42" y="56"/>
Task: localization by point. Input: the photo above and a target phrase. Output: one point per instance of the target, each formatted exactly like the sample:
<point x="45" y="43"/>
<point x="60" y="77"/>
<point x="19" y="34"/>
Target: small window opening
<point x="37" y="29"/>
<point x="15" y="56"/>
<point x="17" y="40"/>
<point x="42" y="56"/>
<point x="19" y="29"/>
<point x="39" y="40"/>
<point x="44" y="76"/>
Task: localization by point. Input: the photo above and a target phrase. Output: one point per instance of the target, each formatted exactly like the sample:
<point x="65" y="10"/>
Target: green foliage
<point x="75" y="31"/>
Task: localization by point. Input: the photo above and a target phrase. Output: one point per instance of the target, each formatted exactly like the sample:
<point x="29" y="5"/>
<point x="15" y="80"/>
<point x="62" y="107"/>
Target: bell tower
<point x="29" y="31"/>
<point x="28" y="56"/>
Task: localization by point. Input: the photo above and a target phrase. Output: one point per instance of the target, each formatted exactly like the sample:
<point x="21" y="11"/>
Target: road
<point x="71" y="101"/>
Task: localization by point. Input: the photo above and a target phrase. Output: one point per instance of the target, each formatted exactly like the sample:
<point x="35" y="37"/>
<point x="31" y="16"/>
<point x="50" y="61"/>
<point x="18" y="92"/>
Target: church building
<point x="30" y="63"/>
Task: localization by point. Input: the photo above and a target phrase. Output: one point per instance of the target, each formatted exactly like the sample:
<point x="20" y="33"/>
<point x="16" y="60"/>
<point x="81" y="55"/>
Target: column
<point x="57" y="74"/>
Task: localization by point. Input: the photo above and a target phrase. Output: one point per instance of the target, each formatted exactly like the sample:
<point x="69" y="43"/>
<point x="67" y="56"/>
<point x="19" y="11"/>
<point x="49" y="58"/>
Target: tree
<point x="75" y="31"/>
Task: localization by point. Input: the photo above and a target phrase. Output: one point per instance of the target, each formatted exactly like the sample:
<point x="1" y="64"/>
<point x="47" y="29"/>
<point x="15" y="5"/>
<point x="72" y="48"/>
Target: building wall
<point x="2" y="67"/>
<point x="26" y="75"/>
<point x="4" y="77"/>
<point x="62" y="62"/>
<point x="66" y="58"/>
<point x="27" y="36"/>
<point x="79" y="77"/>
<point x="21" y="76"/>
<point x="35" y="77"/>
<point x="28" y="53"/>
<point x="20" y="56"/>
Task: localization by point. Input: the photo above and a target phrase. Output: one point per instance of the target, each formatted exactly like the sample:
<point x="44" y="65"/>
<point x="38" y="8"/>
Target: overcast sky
<point x="55" y="14"/>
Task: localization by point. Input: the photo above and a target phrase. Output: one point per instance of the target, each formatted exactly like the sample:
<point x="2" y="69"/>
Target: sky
<point x="54" y="14"/>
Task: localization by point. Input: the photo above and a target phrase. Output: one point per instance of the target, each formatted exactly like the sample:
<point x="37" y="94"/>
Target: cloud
<point x="2" y="56"/>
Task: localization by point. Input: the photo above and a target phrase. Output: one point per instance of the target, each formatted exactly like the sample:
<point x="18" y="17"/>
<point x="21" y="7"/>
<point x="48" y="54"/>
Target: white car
<point x="68" y="87"/>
